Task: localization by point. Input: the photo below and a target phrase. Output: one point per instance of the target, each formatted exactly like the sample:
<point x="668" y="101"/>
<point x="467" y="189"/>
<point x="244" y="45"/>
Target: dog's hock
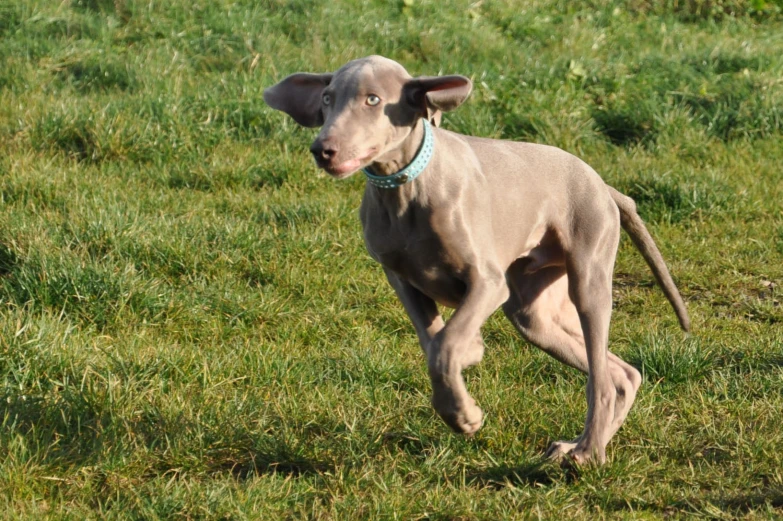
<point x="474" y="352"/>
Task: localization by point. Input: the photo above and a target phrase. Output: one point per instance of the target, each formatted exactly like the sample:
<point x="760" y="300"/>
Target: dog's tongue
<point x="348" y="166"/>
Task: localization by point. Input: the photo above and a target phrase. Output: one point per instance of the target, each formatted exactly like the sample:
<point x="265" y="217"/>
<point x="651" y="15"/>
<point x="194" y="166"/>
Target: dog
<point x="476" y="224"/>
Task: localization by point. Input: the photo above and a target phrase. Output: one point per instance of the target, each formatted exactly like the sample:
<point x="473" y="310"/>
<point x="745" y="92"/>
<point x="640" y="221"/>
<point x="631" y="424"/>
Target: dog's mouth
<point x="346" y="168"/>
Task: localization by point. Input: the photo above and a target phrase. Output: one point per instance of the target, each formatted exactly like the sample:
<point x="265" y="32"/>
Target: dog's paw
<point x="560" y="449"/>
<point x="463" y="420"/>
<point x="582" y="456"/>
<point x="570" y="453"/>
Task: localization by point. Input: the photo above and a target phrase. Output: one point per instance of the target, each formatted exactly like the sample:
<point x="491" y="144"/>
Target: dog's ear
<point x="299" y="96"/>
<point x="433" y="94"/>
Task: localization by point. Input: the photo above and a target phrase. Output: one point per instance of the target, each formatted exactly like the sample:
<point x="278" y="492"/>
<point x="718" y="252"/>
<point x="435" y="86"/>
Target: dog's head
<point x="366" y="109"/>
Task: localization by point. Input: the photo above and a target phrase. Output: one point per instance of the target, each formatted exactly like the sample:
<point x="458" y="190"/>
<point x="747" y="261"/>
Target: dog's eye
<point x="373" y="100"/>
<point x="327" y="99"/>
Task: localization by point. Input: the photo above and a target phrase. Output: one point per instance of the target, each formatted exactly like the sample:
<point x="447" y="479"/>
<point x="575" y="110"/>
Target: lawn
<point x="190" y="326"/>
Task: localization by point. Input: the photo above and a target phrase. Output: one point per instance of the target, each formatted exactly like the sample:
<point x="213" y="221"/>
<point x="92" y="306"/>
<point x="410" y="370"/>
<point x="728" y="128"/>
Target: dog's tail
<point x="634" y="226"/>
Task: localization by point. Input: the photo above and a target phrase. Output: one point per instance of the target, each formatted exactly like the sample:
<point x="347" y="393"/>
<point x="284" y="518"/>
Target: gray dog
<point x="475" y="224"/>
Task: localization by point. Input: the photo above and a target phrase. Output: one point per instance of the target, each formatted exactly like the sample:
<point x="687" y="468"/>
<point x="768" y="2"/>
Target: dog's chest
<point x="408" y="246"/>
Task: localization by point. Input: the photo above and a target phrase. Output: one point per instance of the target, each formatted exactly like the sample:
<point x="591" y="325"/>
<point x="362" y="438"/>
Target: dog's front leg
<point x="421" y="309"/>
<point x="455" y="348"/>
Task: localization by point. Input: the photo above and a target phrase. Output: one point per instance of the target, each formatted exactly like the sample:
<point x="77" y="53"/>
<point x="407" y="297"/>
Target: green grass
<point x="190" y="326"/>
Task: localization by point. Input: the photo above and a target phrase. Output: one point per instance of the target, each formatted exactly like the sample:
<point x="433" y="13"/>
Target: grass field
<point x="190" y="326"/>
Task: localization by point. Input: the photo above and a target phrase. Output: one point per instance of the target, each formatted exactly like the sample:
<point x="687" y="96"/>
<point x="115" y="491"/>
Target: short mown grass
<point x="190" y="326"/>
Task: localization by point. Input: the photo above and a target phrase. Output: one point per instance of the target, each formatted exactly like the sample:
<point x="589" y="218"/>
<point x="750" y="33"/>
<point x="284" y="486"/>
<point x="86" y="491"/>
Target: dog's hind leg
<point x="541" y="309"/>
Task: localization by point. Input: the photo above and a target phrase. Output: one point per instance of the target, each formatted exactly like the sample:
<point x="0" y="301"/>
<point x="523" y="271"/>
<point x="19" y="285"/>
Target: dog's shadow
<point x="257" y="463"/>
<point x="536" y="473"/>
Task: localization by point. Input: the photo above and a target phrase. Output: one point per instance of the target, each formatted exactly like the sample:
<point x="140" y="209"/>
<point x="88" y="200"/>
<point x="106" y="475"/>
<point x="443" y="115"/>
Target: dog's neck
<point x="401" y="156"/>
<point x="398" y="198"/>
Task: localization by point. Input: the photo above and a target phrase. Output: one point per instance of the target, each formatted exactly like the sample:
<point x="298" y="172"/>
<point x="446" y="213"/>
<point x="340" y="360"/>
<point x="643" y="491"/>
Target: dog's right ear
<point x="299" y="96"/>
<point x="435" y="94"/>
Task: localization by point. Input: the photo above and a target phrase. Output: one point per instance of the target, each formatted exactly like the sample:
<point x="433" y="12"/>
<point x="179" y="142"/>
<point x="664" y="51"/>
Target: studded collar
<point x="414" y="168"/>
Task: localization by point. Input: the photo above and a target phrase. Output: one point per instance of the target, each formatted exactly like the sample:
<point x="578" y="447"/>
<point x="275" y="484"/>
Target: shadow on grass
<point x="79" y="428"/>
<point x="536" y="473"/>
<point x="259" y="463"/>
<point x="746" y="502"/>
<point x="8" y="260"/>
<point x="733" y="505"/>
<point x="625" y="126"/>
<point x="224" y="448"/>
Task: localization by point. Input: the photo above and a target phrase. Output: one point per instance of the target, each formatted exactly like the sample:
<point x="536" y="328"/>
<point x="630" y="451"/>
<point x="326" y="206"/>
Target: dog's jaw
<point x="350" y="166"/>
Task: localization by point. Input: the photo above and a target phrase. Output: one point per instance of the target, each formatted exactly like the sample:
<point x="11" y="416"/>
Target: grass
<point x="190" y="326"/>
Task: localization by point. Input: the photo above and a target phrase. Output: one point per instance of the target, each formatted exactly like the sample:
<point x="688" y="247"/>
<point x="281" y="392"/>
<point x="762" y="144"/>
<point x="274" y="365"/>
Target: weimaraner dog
<point x="474" y="224"/>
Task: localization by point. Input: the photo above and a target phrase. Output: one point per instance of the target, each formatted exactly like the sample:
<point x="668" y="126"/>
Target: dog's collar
<point x="414" y="168"/>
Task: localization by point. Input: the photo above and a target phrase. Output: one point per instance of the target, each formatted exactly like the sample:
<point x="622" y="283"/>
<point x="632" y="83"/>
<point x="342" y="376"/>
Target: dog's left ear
<point x="433" y="94"/>
<point x="299" y="96"/>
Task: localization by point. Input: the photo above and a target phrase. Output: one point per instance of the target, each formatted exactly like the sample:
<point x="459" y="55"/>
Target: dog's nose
<point x="323" y="151"/>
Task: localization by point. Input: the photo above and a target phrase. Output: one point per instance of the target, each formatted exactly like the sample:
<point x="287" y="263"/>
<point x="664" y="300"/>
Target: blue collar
<point x="410" y="172"/>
